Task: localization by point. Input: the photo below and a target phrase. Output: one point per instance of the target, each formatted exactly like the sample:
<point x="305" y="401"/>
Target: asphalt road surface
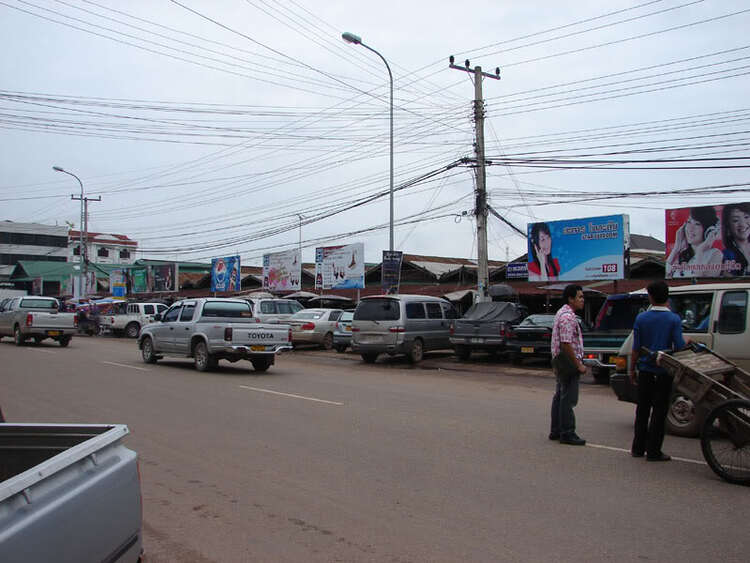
<point x="324" y="458"/>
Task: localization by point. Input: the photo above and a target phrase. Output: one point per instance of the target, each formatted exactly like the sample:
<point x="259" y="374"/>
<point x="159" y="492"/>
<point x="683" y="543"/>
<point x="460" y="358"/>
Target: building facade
<point x="103" y="248"/>
<point x="30" y="241"/>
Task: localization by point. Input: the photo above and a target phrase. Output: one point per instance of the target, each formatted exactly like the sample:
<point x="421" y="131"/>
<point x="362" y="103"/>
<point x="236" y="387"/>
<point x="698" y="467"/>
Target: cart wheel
<point x="725" y="441"/>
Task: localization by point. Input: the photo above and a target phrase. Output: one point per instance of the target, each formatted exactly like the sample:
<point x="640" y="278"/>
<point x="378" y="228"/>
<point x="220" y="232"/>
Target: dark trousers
<point x="566" y="397"/>
<point x="654" y="391"/>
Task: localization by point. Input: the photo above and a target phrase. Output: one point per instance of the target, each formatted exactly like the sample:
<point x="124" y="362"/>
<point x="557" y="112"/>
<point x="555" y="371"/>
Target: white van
<point x="716" y="314"/>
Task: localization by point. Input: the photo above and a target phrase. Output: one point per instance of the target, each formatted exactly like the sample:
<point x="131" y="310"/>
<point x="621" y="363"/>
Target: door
<point x="164" y="331"/>
<point x="183" y="329"/>
<point x="730" y="329"/>
<point x="436" y="326"/>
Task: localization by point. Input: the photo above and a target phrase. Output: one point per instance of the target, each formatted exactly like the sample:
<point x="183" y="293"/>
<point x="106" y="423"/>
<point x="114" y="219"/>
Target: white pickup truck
<point x="213" y="329"/>
<point x="136" y="316"/>
<point x="36" y="318"/>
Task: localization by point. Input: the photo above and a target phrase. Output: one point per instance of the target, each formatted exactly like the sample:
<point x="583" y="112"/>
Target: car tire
<point x="341" y="348"/>
<point x="132" y="330"/>
<point x="683" y="418"/>
<point x="600" y="375"/>
<point x="515" y="359"/>
<point x="64" y="341"/>
<point x="203" y="360"/>
<point x="416" y="351"/>
<point x="147" y="351"/>
<point x="18" y="338"/>
<point x="463" y="353"/>
<point x="369" y="357"/>
<point x="328" y="341"/>
<point x="261" y="364"/>
<point x="38" y="340"/>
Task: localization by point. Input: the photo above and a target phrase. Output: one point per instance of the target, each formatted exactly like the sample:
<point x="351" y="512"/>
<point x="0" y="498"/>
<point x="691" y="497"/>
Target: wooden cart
<point x="720" y="387"/>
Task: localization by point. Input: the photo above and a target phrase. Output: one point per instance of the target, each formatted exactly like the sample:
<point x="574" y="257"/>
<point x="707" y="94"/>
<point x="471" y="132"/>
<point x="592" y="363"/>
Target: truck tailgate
<point x="52" y="320"/>
<point x="260" y="338"/>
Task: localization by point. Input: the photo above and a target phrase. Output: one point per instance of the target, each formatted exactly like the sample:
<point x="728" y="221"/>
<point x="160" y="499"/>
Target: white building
<point x="31" y="241"/>
<point x="103" y="248"/>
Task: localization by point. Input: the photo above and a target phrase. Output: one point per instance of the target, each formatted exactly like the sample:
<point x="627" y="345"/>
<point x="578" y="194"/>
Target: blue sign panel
<point x="225" y="274"/>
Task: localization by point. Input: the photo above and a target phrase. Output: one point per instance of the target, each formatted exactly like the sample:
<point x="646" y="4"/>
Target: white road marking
<point x="125" y="366"/>
<point x="291" y="395"/>
<point x="42" y="351"/>
<point x="602" y="447"/>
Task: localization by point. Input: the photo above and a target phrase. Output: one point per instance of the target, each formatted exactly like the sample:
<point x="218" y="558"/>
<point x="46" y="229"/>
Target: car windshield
<point x="39" y="303"/>
<point x="377" y="310"/>
<point x="539" y="320"/>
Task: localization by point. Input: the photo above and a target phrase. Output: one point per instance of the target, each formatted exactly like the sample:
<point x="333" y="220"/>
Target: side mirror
<point x="157" y="317"/>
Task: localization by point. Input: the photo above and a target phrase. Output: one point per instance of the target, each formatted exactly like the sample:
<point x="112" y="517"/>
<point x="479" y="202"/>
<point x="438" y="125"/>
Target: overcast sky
<point x="209" y="128"/>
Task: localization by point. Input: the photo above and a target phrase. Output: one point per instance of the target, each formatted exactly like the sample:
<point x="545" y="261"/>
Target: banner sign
<point x="340" y="267"/>
<point x="225" y="274"/>
<point x="517" y="270"/>
<point x="592" y="248"/>
<point x="708" y="241"/>
<point x="37" y="286"/>
<point x="390" y="273"/>
<point x="282" y="271"/>
<point x="162" y="278"/>
<point x="138" y="280"/>
<point x="118" y="283"/>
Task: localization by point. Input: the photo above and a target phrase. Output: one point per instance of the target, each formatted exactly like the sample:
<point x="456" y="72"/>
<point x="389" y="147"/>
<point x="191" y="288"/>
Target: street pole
<point x="356" y="40"/>
<point x="480" y="206"/>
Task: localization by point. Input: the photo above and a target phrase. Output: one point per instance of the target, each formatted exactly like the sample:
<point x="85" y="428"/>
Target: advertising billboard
<point x="591" y="248"/>
<point x="117" y="283"/>
<point x="150" y="279"/>
<point x="390" y="273"/>
<point x="517" y="270"/>
<point x="225" y="274"/>
<point x="282" y="271"/>
<point x="340" y="267"/>
<point x="708" y="241"/>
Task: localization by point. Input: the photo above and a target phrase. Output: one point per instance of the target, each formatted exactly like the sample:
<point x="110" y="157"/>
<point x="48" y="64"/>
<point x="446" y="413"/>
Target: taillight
<point x="397" y="329"/>
<point x="75" y="321"/>
<point x="29" y="319"/>
<point x="589" y="356"/>
<point x="228" y="334"/>
<point x="453" y="329"/>
<point x="547" y="336"/>
<point x="355" y="329"/>
<point x="308" y="326"/>
<point x="289" y="335"/>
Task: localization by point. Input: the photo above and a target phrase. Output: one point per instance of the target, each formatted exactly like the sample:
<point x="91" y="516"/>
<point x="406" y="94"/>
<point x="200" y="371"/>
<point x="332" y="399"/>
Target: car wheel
<point x="514" y="358"/>
<point x="261" y="364"/>
<point x="341" y="348"/>
<point x="683" y="419"/>
<point x="463" y="352"/>
<point x="132" y="330"/>
<point x="601" y="375"/>
<point x="38" y="340"/>
<point x="369" y="357"/>
<point x="64" y="341"/>
<point x="328" y="341"/>
<point x="18" y="338"/>
<point x="203" y="360"/>
<point x="147" y="351"/>
<point x="416" y="351"/>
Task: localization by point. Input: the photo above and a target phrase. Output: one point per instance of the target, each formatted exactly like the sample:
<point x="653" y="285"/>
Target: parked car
<point x="314" y="326"/>
<point x="36" y="318"/>
<point x="342" y="332"/>
<point x="715" y="314"/>
<point x="209" y="330"/>
<point x="532" y="337"/>
<point x="274" y="311"/>
<point x="486" y="327"/>
<point x="401" y="324"/>
<point x="130" y="322"/>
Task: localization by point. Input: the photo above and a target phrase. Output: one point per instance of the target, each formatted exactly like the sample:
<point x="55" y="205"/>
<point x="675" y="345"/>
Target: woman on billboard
<point x="543" y="266"/>
<point x="693" y="253"/>
<point x="735" y="233"/>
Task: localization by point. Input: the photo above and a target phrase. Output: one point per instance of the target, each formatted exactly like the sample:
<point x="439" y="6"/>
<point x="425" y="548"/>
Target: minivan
<point x="401" y="324"/>
<point x="715" y="314"/>
<point x="273" y="310"/>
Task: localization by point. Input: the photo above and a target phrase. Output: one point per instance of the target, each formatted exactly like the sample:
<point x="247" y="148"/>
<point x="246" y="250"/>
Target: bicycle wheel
<point x="725" y="441"/>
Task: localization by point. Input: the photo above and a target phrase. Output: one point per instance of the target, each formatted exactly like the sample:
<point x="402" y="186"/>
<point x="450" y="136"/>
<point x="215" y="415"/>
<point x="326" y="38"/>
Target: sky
<point x="228" y="127"/>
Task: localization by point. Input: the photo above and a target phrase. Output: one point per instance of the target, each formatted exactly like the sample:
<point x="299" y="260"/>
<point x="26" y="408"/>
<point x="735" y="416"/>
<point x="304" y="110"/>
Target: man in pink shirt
<point x="567" y="362"/>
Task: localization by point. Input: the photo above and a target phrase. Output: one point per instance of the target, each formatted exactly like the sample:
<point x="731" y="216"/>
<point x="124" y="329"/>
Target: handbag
<point x="564" y="366"/>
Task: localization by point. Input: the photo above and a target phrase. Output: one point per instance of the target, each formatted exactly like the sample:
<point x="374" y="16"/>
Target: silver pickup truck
<point x="36" y="318"/>
<point x="210" y="330"/>
<point x="69" y="494"/>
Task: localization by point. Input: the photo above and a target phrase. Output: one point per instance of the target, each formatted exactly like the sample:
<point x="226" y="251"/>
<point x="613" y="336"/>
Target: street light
<point x="81" y="285"/>
<point x="357" y="40"/>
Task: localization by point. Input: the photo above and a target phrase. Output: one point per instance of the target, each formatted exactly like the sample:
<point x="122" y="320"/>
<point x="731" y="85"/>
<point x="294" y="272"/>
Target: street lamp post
<point x="84" y="265"/>
<point x="357" y="40"/>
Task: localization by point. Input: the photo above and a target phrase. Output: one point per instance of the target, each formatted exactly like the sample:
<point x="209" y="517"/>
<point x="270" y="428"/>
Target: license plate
<point x="258" y="348"/>
<point x="348" y="329"/>
<point x="53" y="333"/>
<point x="477" y="340"/>
<point x="527" y="350"/>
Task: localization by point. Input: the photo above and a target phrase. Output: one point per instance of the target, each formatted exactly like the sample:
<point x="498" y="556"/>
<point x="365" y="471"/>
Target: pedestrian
<point x="567" y="362"/>
<point x="656" y="329"/>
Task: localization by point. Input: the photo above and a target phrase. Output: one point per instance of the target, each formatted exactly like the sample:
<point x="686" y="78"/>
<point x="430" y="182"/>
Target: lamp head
<point x="452" y="59"/>
<point x="351" y="38"/>
<point x="57" y="169"/>
<point x="467" y="63"/>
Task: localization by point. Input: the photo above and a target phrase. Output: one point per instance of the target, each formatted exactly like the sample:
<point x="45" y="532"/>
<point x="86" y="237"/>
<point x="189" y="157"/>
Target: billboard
<point x="117" y="283"/>
<point x="150" y="279"/>
<point x="390" y="272"/>
<point x="340" y="267"/>
<point x="591" y="248"/>
<point x="708" y="241"/>
<point x="225" y="274"/>
<point x="282" y="270"/>
<point x="517" y="270"/>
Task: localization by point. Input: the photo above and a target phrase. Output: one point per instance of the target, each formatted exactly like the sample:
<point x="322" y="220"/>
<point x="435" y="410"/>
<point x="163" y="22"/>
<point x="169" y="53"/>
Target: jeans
<point x="566" y="397"/>
<point x="651" y="413"/>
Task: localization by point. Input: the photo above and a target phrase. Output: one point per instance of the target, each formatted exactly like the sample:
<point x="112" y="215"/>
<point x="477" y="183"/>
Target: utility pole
<point x="480" y="206"/>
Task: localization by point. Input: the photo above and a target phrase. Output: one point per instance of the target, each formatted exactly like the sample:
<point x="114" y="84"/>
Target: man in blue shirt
<point x="656" y="329"/>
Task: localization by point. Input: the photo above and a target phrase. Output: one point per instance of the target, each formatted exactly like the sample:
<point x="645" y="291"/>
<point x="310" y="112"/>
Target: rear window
<point x="620" y="313"/>
<point x="221" y="309"/>
<point x="288" y="307"/>
<point x="39" y="303"/>
<point x="377" y="310"/>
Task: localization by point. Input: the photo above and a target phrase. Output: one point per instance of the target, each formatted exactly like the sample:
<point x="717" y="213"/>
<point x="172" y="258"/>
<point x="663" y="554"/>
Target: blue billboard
<point x="225" y="274"/>
<point x="592" y="248"/>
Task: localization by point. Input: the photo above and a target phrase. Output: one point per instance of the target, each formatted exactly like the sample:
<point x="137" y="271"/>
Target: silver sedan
<point x="314" y="326"/>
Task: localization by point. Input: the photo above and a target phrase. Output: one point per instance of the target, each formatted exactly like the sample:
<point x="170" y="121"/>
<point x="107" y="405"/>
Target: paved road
<point x="324" y="458"/>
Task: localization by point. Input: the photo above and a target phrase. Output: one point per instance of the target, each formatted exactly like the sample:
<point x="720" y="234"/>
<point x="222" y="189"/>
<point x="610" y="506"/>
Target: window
<point x="161" y="308"/>
<point x="434" y="311"/>
<point x="226" y="309"/>
<point x="148" y="309"/>
<point x="76" y="251"/>
<point x="124" y="254"/>
<point x="102" y="253"/>
<point x="733" y="312"/>
<point x="449" y="311"/>
<point x="288" y="307"/>
<point x="694" y="309"/>
<point x="268" y="307"/>
<point x="39" y="303"/>
<point x="335" y="315"/>
<point x="171" y="315"/>
<point x="187" y="313"/>
<point x="377" y="310"/>
<point x="415" y="311"/>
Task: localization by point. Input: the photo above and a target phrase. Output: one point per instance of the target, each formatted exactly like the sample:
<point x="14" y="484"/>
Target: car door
<point x="164" y="331"/>
<point x="5" y="316"/>
<point x="436" y="329"/>
<point x="183" y="328"/>
<point x="730" y="329"/>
